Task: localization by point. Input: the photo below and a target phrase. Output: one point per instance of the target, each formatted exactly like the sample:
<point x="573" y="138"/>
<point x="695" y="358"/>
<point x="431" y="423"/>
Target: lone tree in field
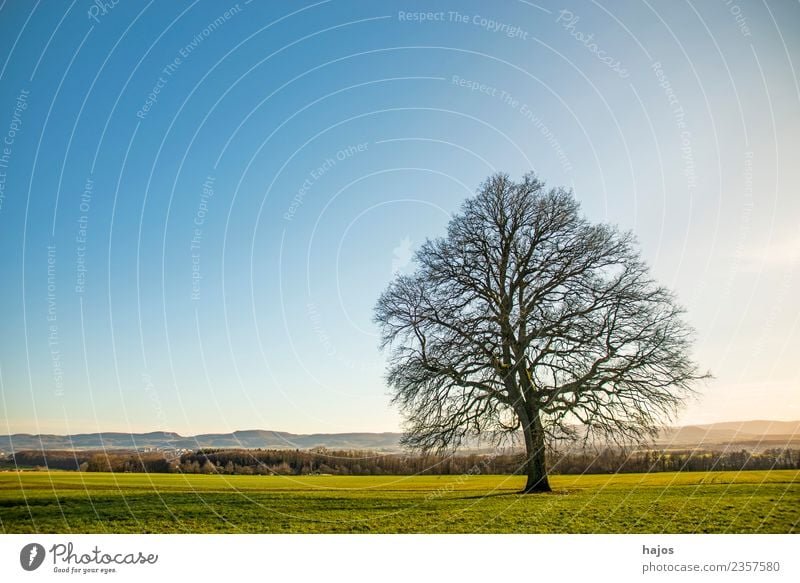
<point x="527" y="318"/>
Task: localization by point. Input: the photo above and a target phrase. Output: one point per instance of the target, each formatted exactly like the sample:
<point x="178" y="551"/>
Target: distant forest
<point x="365" y="463"/>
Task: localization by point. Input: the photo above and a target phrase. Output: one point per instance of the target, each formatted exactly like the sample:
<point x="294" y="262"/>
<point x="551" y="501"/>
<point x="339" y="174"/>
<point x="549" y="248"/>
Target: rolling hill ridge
<point x="759" y="432"/>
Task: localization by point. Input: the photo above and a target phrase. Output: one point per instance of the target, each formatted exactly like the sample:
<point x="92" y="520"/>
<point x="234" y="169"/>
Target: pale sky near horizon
<point x="200" y="202"/>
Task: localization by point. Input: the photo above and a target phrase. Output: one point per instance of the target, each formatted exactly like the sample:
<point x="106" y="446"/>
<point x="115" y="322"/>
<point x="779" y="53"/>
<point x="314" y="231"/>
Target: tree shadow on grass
<point x="521" y="493"/>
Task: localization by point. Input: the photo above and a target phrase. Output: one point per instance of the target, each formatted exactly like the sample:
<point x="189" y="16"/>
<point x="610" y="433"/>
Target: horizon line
<point x="96" y="432"/>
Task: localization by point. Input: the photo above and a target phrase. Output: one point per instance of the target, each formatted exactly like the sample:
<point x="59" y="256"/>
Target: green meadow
<point x="686" y="502"/>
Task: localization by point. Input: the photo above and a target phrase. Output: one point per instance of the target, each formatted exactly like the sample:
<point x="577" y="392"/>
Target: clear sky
<point x="201" y="201"/>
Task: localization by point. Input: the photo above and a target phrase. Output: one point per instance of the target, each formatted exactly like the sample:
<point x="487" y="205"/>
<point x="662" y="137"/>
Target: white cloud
<point x="781" y="254"/>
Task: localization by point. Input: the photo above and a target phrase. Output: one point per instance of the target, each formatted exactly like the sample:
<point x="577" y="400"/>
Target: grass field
<point x="688" y="502"/>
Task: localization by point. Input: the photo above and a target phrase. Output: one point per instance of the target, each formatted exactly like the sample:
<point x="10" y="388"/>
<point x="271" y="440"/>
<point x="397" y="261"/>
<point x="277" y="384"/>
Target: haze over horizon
<point x="201" y="202"/>
<point x="742" y="422"/>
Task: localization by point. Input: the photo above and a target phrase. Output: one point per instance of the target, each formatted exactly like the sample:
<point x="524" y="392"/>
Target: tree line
<point x="91" y="461"/>
<point x="366" y="463"/>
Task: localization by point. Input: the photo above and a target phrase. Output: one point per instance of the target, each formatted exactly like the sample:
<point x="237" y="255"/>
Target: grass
<point x="687" y="502"/>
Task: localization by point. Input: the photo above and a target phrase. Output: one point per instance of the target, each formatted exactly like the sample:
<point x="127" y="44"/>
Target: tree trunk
<point x="534" y="447"/>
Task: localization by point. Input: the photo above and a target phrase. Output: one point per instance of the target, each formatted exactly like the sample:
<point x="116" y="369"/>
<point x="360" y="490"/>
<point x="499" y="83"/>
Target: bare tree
<point x="528" y="319"/>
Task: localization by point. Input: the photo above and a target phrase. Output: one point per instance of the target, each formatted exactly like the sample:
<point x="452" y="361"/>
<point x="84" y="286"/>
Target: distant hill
<point x="733" y="432"/>
<point x="753" y="434"/>
<point x="238" y="439"/>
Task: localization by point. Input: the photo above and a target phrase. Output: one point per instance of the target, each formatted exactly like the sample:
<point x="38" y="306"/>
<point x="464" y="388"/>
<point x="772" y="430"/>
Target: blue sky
<point x="201" y="201"/>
